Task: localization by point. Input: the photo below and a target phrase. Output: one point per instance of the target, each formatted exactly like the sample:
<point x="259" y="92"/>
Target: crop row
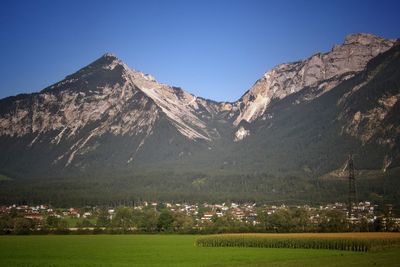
<point x="310" y="243"/>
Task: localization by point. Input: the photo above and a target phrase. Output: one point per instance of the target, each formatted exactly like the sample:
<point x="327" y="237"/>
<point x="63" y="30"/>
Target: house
<point x="207" y="216"/>
<point x="34" y="216"/>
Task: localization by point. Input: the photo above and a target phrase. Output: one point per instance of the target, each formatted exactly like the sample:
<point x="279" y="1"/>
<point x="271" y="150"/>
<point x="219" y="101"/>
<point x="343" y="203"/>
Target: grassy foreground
<point x="169" y="250"/>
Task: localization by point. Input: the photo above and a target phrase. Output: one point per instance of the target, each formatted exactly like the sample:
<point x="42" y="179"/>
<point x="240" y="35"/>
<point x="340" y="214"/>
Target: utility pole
<point x="352" y="197"/>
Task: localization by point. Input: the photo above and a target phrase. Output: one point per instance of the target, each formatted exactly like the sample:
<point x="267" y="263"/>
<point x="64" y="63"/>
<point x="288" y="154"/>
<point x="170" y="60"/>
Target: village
<point x="148" y="216"/>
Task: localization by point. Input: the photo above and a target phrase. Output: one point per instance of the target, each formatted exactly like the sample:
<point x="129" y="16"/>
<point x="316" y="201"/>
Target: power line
<point x="352" y="197"/>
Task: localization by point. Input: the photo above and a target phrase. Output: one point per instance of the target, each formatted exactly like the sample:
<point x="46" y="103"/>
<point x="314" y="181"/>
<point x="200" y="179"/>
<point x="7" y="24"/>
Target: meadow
<point x="170" y="250"/>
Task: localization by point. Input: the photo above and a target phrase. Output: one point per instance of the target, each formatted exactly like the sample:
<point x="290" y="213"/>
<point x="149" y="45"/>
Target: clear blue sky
<point x="214" y="49"/>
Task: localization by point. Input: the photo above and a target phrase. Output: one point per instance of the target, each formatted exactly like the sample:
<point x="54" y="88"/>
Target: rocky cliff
<point x="325" y="70"/>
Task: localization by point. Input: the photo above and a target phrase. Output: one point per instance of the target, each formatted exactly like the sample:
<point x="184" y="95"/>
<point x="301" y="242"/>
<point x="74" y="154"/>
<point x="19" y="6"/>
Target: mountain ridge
<point x="292" y="77"/>
<point x="108" y="120"/>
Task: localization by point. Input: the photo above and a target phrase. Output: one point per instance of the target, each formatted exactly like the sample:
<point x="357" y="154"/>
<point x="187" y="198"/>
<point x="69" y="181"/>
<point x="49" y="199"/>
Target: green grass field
<point x="168" y="250"/>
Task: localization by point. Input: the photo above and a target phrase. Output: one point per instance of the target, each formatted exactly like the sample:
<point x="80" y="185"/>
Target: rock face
<point x="241" y="133"/>
<point x="87" y="96"/>
<point x="314" y="129"/>
<point x="370" y="110"/>
<point x="325" y="70"/>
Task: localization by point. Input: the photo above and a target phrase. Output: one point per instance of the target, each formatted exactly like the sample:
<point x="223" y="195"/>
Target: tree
<point x="183" y="222"/>
<point x="22" y="226"/>
<point x="379" y="224"/>
<point x="123" y="218"/>
<point x="280" y="221"/>
<point x="300" y="220"/>
<point x="165" y="221"/>
<point x="103" y="219"/>
<point x="149" y="220"/>
<point x="13" y="212"/>
<point x="225" y="223"/>
<point x="285" y="220"/>
<point x="365" y="226"/>
<point x="6" y="224"/>
<point x="57" y="224"/>
<point x="333" y="221"/>
<point x="62" y="226"/>
<point x="52" y="221"/>
<point x="85" y="223"/>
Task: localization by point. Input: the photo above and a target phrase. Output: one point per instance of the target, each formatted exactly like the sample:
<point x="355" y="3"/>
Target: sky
<point x="213" y="49"/>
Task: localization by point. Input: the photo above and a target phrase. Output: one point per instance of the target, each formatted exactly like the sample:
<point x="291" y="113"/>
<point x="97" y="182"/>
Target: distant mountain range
<point x="298" y="122"/>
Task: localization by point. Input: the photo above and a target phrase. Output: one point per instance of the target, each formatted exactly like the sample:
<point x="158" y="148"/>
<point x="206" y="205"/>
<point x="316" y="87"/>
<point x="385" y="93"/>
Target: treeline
<point x="163" y="220"/>
<point x="194" y="188"/>
<point x="298" y="220"/>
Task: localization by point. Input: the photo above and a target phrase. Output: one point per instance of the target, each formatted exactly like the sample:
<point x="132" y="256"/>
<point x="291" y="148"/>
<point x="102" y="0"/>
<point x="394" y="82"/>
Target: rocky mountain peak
<point x="364" y="39"/>
<point x="322" y="70"/>
<point x="106" y="97"/>
<point x="109" y="55"/>
<point x="106" y="61"/>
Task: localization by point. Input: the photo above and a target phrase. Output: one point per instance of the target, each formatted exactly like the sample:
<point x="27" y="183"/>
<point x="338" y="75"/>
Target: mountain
<point x="314" y="129"/>
<point x="71" y="122"/>
<point x="111" y="132"/>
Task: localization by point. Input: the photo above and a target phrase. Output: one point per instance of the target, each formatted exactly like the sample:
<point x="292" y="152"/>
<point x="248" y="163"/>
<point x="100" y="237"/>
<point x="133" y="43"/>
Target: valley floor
<point x="168" y="250"/>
